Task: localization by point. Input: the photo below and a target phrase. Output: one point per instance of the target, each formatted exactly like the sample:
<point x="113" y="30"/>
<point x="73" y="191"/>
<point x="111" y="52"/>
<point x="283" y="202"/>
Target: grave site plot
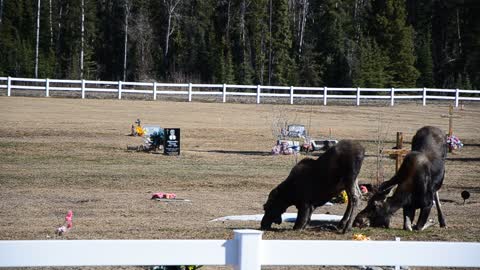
<point x="68" y="154"/>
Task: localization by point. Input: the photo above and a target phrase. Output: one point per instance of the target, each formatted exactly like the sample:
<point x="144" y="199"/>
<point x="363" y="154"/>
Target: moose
<point x="417" y="183"/>
<point x="313" y="182"/>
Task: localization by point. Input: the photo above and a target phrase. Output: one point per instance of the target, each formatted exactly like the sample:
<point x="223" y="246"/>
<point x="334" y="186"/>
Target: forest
<point x="350" y="43"/>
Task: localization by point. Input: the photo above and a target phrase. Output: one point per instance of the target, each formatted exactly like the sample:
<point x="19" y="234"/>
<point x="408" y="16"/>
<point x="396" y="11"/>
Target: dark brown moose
<point x="313" y="182"/>
<point x="418" y="180"/>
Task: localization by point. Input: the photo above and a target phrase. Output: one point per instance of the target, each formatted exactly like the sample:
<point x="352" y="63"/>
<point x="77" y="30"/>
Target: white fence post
<point x="291" y="95"/>
<point x="154" y="90"/>
<point x="392" y="97"/>
<point x="397" y="267"/>
<point x="249" y="249"/>
<point x="47" y="87"/>
<point x="189" y="92"/>
<point x="358" y="96"/>
<point x="324" y="95"/>
<point x="457" y="94"/>
<point x="258" y="94"/>
<point x="9" y="86"/>
<point x="424" y="96"/>
<point x="83" y="88"/>
<point x="119" y="89"/>
<point x="224" y="93"/>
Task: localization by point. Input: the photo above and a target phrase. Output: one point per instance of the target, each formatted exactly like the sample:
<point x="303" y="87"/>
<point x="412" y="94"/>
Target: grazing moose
<point x="418" y="180"/>
<point x="313" y="182"/>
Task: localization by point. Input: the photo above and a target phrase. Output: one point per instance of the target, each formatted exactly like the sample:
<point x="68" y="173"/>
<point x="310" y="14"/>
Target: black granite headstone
<point x="172" y="141"/>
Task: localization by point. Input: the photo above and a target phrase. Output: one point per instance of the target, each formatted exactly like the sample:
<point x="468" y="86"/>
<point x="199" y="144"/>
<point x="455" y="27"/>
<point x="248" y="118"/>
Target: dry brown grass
<point x="61" y="154"/>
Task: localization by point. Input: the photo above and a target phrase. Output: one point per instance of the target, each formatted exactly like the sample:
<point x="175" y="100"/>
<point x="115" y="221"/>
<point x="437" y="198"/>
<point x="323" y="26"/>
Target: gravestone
<point x="171" y="146"/>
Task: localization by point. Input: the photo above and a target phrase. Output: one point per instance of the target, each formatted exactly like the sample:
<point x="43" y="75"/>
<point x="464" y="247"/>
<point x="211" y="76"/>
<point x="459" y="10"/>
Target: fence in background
<point x="247" y="251"/>
<point x="155" y="89"/>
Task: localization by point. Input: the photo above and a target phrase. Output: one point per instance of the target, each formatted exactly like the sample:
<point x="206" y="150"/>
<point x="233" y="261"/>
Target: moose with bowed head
<point x="417" y="183"/>
<point x="313" y="182"/>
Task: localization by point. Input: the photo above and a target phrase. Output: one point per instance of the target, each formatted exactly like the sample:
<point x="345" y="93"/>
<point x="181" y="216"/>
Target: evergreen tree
<point x="109" y="39"/>
<point x="419" y="15"/>
<point x="334" y="43"/>
<point x="17" y="39"/>
<point x="257" y="26"/>
<point x="46" y="66"/>
<point x="381" y="43"/>
<point x="371" y="71"/>
<point x="396" y="38"/>
<point x="309" y="70"/>
<point x="424" y="63"/>
<point x="282" y="62"/>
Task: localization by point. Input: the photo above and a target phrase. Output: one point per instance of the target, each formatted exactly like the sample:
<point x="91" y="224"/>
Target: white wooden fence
<point x="188" y="90"/>
<point x="247" y="251"/>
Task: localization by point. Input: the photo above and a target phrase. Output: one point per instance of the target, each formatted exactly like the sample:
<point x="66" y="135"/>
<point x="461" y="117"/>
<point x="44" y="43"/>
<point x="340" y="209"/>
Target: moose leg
<point x="441" y="217"/>
<point x="346" y="216"/>
<point x="303" y="216"/>
<point x="408" y="216"/>
<point x="422" y="219"/>
<point x="353" y="197"/>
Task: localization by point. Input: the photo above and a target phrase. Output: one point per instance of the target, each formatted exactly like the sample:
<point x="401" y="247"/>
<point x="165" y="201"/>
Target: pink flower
<point x="69" y="216"/>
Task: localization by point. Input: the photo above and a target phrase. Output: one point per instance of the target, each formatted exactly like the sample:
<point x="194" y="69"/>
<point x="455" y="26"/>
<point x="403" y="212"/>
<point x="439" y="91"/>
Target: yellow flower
<point x="139" y="130"/>
<point x="360" y="237"/>
<point x="344" y="196"/>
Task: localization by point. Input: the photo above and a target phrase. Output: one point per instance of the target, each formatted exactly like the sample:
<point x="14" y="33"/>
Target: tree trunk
<point x="37" y="38"/>
<point x="50" y="22"/>
<point x="270" y="44"/>
<point x="125" y="44"/>
<point x="227" y="31"/>
<point x="171" y="5"/>
<point x="1" y="10"/>
<point x="242" y="23"/>
<point x="82" y="39"/>
<point x="303" y="22"/>
<point x="167" y="36"/>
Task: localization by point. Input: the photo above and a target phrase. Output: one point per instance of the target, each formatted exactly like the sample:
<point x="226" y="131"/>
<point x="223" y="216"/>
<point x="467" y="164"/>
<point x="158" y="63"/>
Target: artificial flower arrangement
<point x="454" y="143"/>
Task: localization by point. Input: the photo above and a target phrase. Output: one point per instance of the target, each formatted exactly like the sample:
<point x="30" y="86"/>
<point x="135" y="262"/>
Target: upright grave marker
<point x="172" y="142"/>
<point x="450" y="117"/>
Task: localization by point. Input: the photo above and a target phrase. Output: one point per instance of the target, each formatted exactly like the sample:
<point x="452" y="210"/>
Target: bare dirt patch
<point x="60" y="154"/>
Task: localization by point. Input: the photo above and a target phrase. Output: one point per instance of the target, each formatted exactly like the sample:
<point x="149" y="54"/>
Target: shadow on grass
<point x="463" y="159"/>
<point x="236" y="152"/>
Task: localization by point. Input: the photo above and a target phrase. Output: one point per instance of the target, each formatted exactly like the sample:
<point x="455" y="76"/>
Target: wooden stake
<point x="398" y="151"/>
<point x="450" y="117"/>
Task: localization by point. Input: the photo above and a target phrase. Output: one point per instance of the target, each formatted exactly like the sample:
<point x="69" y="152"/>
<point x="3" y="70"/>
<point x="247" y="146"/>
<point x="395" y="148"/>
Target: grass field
<point x="60" y="154"/>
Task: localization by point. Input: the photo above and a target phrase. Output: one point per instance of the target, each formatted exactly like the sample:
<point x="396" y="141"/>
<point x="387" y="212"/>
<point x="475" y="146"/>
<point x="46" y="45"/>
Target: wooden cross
<point x="398" y="152"/>
<point x="450" y="117"/>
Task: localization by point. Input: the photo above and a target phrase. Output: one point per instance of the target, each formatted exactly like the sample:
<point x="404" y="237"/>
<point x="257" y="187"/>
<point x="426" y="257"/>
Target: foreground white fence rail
<point x="189" y="90"/>
<point x="246" y="251"/>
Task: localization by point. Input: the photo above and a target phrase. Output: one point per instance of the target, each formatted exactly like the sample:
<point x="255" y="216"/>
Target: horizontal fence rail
<point x="246" y="251"/>
<point x="156" y="89"/>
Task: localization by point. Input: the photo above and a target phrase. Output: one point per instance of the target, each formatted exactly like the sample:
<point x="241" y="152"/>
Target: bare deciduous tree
<point x="37" y="39"/>
<point x="270" y="47"/>
<point x="383" y="127"/>
<point x="82" y="39"/>
<point x="142" y="32"/>
<point x="125" y="44"/>
<point x="170" y="5"/>
<point x="300" y="11"/>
